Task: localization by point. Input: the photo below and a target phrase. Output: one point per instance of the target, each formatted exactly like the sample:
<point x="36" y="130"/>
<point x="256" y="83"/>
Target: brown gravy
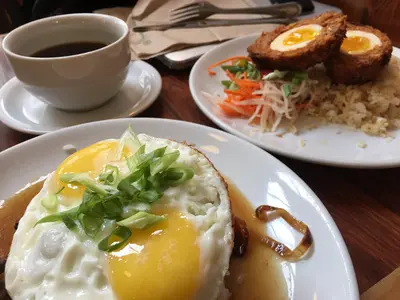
<point x="256" y="275"/>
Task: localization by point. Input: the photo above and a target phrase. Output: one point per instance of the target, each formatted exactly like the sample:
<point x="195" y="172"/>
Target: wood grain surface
<point x="365" y="204"/>
<point x="387" y="289"/>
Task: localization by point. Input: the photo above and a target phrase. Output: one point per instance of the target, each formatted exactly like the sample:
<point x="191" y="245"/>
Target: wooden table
<point x="365" y="204"/>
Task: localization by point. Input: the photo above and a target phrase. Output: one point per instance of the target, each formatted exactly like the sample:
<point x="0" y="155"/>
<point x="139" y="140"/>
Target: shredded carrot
<point x="224" y="61"/>
<point x="244" y="91"/>
<point x="243" y="82"/>
<point x="229" y="111"/>
<point x="238" y="92"/>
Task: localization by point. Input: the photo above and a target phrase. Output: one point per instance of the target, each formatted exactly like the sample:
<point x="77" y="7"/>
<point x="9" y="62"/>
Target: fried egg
<point x="358" y="42"/>
<point x="296" y="38"/>
<point x="184" y="257"/>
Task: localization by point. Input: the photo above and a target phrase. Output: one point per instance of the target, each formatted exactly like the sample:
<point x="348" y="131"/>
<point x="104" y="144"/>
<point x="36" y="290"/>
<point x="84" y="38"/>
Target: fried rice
<point x="373" y="107"/>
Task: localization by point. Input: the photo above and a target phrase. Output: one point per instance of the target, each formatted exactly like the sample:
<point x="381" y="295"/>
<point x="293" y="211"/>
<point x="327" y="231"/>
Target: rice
<point x="373" y="107"/>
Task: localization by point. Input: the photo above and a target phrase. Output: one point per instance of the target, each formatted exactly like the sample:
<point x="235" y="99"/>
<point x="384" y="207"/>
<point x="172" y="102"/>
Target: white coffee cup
<point x="78" y="82"/>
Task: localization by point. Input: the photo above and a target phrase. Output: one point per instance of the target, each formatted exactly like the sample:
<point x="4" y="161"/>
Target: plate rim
<point x="293" y="154"/>
<point x="156" y="86"/>
<point x="343" y="250"/>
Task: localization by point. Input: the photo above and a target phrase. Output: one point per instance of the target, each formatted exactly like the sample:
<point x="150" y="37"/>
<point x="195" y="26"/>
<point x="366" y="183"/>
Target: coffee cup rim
<point x="60" y="17"/>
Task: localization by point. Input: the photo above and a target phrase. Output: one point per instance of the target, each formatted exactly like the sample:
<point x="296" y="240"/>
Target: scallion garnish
<point x="84" y="179"/>
<point x="110" y="175"/>
<point x="141" y="220"/>
<point x="120" y="236"/>
<point x="125" y="200"/>
<point x="287" y="89"/>
<point x="275" y="75"/>
<point x="51" y="201"/>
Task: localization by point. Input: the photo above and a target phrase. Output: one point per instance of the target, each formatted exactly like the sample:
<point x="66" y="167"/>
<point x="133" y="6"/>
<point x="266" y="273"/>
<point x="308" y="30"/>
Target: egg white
<point x="50" y="262"/>
<point x="373" y="39"/>
<point x="277" y="43"/>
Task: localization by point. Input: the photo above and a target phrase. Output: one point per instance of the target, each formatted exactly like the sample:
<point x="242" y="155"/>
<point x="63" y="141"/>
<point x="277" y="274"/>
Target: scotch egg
<point x="300" y="45"/>
<point x="296" y="38"/>
<point x="185" y="255"/>
<point x="363" y="54"/>
<point x="357" y="42"/>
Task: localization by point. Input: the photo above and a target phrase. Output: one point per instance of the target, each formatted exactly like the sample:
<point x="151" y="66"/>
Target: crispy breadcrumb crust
<point x="360" y="68"/>
<point x="324" y="45"/>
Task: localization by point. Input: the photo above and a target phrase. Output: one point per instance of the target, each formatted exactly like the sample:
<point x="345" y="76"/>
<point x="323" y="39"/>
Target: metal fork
<point x="204" y="9"/>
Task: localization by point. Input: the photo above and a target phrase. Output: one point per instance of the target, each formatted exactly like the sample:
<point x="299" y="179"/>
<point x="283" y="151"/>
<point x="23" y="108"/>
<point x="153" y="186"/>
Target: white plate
<point x="326" y="274"/>
<point x="23" y="112"/>
<point x="322" y="145"/>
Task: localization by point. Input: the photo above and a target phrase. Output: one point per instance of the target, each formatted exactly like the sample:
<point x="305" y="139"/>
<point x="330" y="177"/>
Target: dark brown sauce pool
<point x="256" y="275"/>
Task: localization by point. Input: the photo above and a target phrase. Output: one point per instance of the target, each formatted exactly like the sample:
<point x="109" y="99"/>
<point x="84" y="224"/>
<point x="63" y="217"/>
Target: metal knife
<point x="212" y="23"/>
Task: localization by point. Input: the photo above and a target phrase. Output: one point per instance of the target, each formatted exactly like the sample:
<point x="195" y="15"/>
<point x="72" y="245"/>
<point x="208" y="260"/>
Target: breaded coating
<point x="316" y="51"/>
<point x="359" y="68"/>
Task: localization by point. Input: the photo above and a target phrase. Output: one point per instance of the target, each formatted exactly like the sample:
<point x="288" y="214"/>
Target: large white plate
<point x="326" y="274"/>
<point x="322" y="145"/>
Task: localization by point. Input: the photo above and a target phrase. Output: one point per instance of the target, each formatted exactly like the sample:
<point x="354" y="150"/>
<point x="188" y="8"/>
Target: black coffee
<point x="69" y="49"/>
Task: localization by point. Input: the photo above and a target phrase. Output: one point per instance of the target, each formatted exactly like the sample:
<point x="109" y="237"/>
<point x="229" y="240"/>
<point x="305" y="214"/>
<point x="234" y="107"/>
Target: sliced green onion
<point x="178" y="175"/>
<point x="130" y="140"/>
<point x="122" y="233"/>
<point x="110" y="175"/>
<point x="300" y="74"/>
<point x="241" y="62"/>
<point x="149" y="196"/>
<point x="148" y="158"/>
<point x="275" y="75"/>
<point x="60" y="190"/>
<point x="84" y="179"/>
<point x="58" y="217"/>
<point x="233" y="87"/>
<point x="250" y="74"/>
<point x="287" y="89"/>
<point x="112" y="208"/>
<point x="141" y="220"/>
<point x="128" y="199"/>
<point x="135" y="159"/>
<point x="125" y="184"/>
<point x="251" y="68"/>
<point x="133" y="208"/>
<point x="238" y="74"/>
<point x="226" y="83"/>
<point x="164" y="162"/>
<point x="69" y="222"/>
<point x="50" y="219"/>
<point x="50" y="202"/>
<point x="142" y="183"/>
<point x="90" y="225"/>
<point x="296" y="81"/>
<point x="233" y="69"/>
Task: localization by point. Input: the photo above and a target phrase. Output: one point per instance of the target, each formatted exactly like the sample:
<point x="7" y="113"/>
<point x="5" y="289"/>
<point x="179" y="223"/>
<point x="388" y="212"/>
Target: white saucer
<point x="23" y="112"/>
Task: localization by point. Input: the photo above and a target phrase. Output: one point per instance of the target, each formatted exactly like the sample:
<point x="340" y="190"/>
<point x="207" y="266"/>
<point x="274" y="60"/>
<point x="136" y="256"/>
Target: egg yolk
<point x="161" y="262"/>
<point x="89" y="160"/>
<point x="300" y="35"/>
<point x="355" y="44"/>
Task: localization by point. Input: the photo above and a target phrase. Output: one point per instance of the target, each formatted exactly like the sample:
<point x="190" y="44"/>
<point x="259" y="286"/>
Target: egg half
<point x="358" y="42"/>
<point x="296" y="38"/>
<point x="183" y="257"/>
